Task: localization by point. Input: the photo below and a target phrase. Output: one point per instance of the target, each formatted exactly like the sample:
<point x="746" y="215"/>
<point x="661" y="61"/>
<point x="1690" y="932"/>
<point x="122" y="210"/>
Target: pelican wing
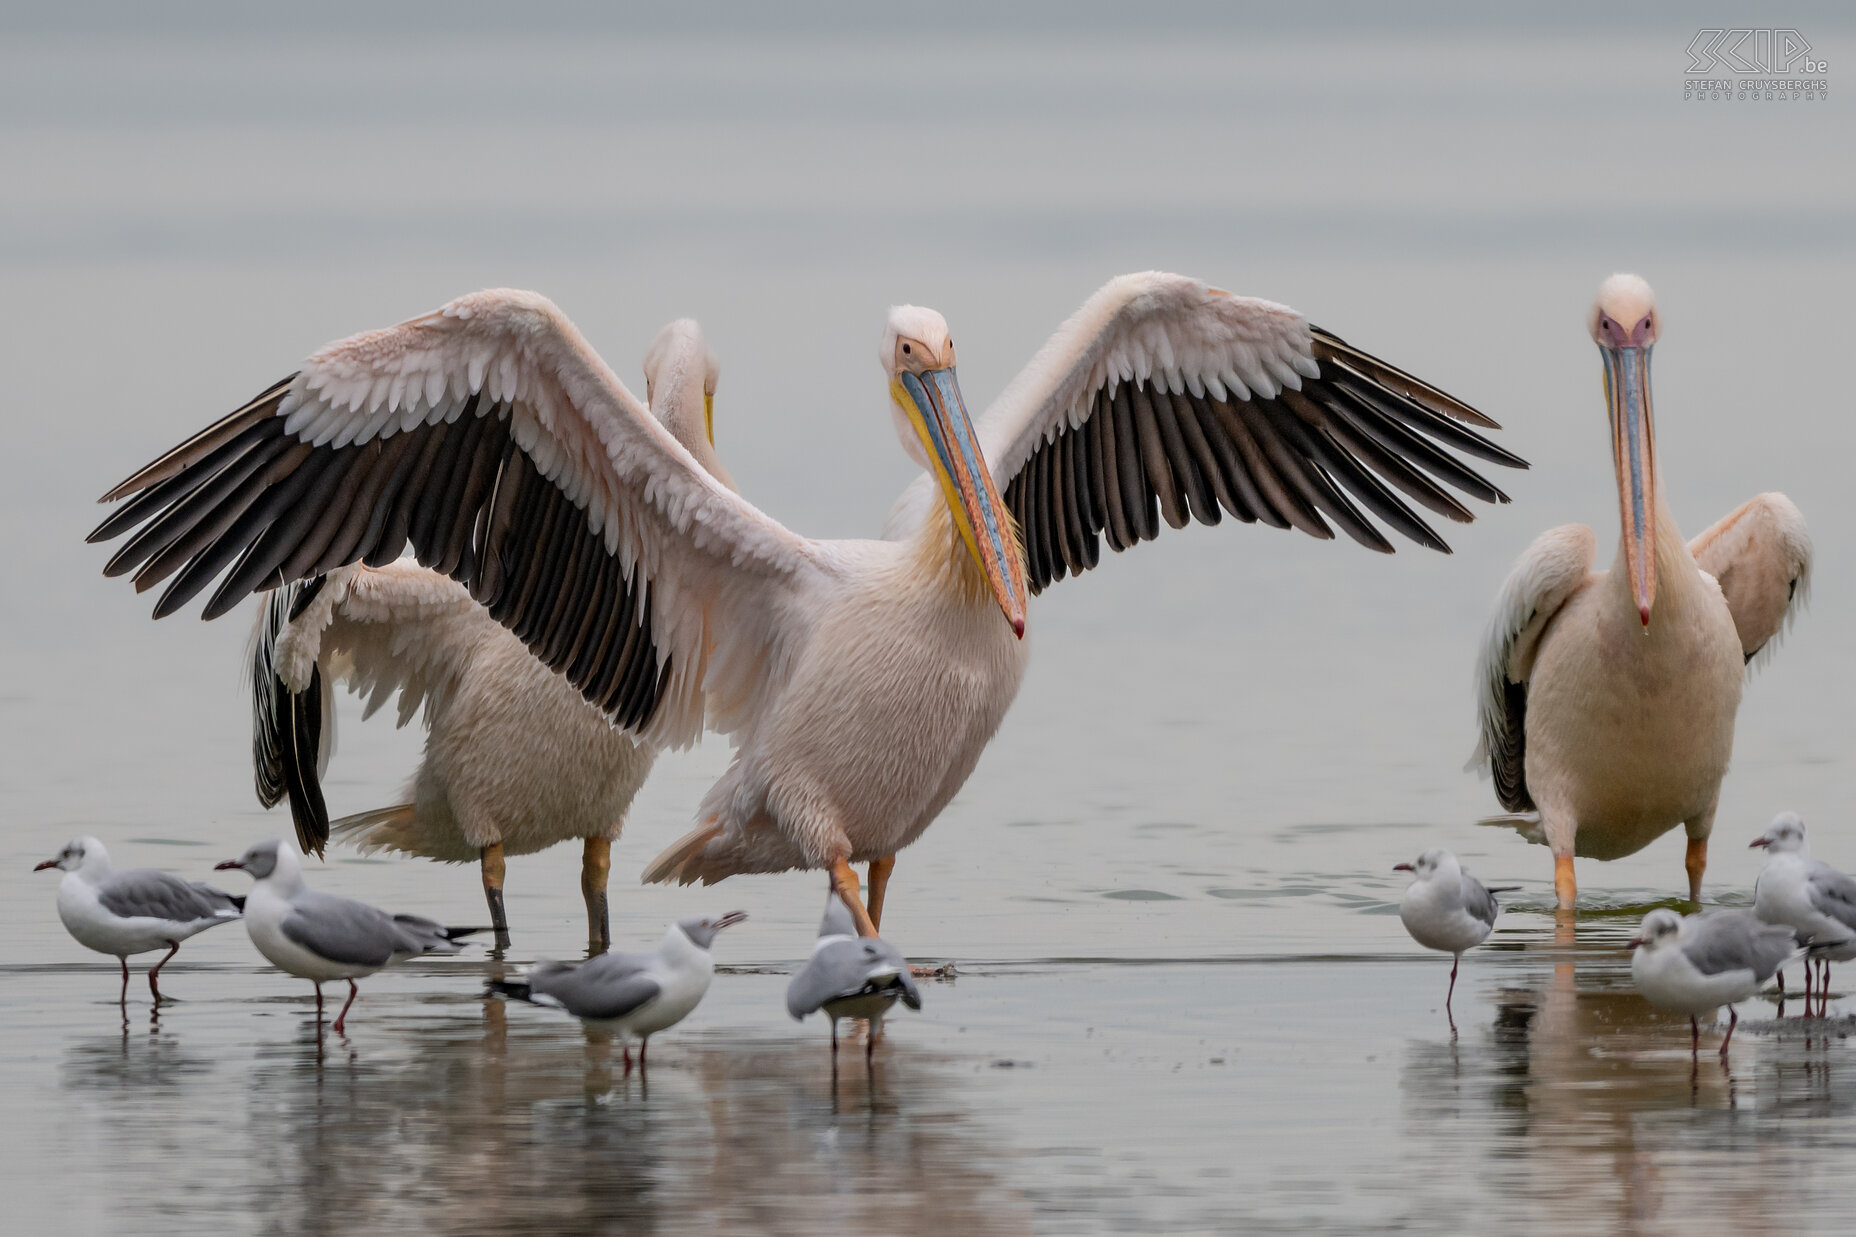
<point x="1760" y="554"/>
<point x="1552" y="568"/>
<point x="1162" y="398"/>
<point x="491" y="438"/>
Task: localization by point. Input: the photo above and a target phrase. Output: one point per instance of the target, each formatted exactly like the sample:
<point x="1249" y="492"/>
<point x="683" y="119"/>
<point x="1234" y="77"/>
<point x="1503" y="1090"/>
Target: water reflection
<point x="466" y="1123"/>
<point x="1576" y="1101"/>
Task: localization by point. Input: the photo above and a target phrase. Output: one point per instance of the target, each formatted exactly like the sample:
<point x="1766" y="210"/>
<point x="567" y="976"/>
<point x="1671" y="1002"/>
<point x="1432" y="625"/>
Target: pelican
<point x="859" y="680"/>
<point x="515" y="761"/>
<point x="1607" y="699"/>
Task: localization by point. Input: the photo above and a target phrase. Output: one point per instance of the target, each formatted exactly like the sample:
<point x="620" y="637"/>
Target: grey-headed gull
<point x="1808" y="896"/>
<point x="1698" y="964"/>
<point x="850" y="976"/>
<point x="1445" y="908"/>
<point x="629" y="994"/>
<point x="323" y="938"/>
<point x="133" y="912"/>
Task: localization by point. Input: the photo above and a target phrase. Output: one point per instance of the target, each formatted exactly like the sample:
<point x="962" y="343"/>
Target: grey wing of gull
<point x="1721" y="941"/>
<point x="1478" y="901"/>
<point x="609" y="986"/>
<point x="845" y="968"/>
<point x="343" y="930"/>
<point x="1833" y="894"/>
<point x="423" y="936"/>
<point x="146" y="893"/>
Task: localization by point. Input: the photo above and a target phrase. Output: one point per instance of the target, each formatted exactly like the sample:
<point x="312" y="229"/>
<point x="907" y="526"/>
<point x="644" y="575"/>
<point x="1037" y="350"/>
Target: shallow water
<point x="1184" y="1001"/>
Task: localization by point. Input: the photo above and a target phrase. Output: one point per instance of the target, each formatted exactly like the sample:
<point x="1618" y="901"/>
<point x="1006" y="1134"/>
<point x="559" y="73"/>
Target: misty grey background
<point x="1225" y="739"/>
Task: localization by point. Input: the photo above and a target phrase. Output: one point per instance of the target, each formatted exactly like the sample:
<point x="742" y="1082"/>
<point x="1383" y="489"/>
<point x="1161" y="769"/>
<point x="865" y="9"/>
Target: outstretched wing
<point x="1164" y="398"/>
<point x="1760" y="554"/>
<point x="490" y="438"/>
<point x="1556" y="564"/>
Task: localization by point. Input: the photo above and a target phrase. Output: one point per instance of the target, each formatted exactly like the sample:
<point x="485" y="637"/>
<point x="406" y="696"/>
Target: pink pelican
<point x="859" y="680"/>
<point x="1607" y="699"/>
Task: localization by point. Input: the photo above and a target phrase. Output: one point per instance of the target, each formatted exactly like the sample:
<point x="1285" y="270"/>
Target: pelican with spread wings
<point x="1607" y="699"/>
<point x="859" y="680"/>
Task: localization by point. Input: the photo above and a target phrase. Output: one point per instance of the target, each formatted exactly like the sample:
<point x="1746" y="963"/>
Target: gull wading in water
<point x="859" y="680"/>
<point x="515" y="760"/>
<point x="850" y="976"/>
<point x="320" y="937"/>
<point x="1445" y="908"/>
<point x="133" y="912"/>
<point x="1810" y="897"/>
<point x="629" y="994"/>
<point x="1700" y="963"/>
<point x="1607" y="699"/>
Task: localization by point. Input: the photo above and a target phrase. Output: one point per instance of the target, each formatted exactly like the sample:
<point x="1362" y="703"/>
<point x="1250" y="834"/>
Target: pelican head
<point x="1625" y="324"/>
<point x="675" y="359"/>
<point x="1659" y="927"/>
<point x="932" y="421"/>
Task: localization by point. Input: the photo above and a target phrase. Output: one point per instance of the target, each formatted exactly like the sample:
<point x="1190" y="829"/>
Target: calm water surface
<point x="1184" y="1000"/>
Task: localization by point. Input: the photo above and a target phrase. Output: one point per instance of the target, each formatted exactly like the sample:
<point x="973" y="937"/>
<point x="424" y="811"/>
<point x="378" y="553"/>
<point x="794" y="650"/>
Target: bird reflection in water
<point x="1578" y="1090"/>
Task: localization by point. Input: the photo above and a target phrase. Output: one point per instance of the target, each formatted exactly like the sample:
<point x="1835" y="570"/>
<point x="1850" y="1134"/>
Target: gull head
<point x="1659" y="928"/>
<point x="263" y="861"/>
<point x="702" y="930"/>
<point x="1432" y="863"/>
<point x="77" y="854"/>
<point x="1784" y="836"/>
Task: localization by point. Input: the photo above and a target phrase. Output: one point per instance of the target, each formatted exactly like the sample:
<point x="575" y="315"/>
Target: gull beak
<point x="49" y="863"/>
<point x="1760" y="843"/>
<point x="230" y="865"/>
<point x="1633" y="942"/>
<point x="730" y="920"/>
<point x="708" y="416"/>
<point x="933" y="402"/>
<point x="1633" y="454"/>
<point x="1403" y="867"/>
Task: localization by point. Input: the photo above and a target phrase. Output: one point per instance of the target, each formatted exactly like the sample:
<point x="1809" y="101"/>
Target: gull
<point x="629" y="994"/>
<point x="133" y="912"/>
<point x="1446" y="908"/>
<point x="1812" y="898"/>
<point x="323" y="938"/>
<point x="1700" y="963"/>
<point x="850" y="976"/>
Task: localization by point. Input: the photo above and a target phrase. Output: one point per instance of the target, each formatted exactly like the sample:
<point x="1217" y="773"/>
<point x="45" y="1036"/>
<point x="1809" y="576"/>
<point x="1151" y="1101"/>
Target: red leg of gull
<point x="626" y="1051"/>
<point x="318" y="1004"/>
<point x="124" y="998"/>
<point x="1733" y="1020"/>
<point x="1694" y="1036"/>
<point x="173" y="948"/>
<point x="1807" y="987"/>
<point x="644" y="1043"/>
<point x="342" y="1017"/>
<point x="1454" y="963"/>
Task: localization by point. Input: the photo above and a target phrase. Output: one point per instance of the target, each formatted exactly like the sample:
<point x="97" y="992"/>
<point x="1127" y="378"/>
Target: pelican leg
<point x="154" y="971"/>
<point x="491" y="859"/>
<point x="844" y="884"/>
<point x="1697" y="863"/>
<point x="879" y="881"/>
<point x="1565" y="887"/>
<point x="342" y="1017"/>
<point x="595" y="867"/>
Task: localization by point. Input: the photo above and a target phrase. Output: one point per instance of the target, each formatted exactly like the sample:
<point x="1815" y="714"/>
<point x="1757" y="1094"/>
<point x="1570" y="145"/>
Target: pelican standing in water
<point x="1608" y="698"/>
<point x="860" y="680"/>
<point x="515" y="761"/>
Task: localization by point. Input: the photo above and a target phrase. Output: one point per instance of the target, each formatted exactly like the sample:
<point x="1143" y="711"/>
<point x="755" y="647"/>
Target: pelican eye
<point x="905" y="350"/>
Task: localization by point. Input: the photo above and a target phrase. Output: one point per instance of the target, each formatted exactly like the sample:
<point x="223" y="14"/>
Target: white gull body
<point x="324" y="938"/>
<point x="630" y="994"/>
<point x="1806" y="895"/>
<point x="860" y="680"/>
<point x="132" y="912"/>
<point x="1697" y="964"/>
<point x="850" y="976"/>
<point x="1445" y="908"/>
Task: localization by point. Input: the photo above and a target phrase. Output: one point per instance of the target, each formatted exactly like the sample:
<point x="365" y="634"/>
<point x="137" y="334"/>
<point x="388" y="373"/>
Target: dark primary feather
<point x="287" y="732"/>
<point x="1508" y="759"/>
<point x="146" y="893"/>
<point x="247" y="506"/>
<point x="1337" y="453"/>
